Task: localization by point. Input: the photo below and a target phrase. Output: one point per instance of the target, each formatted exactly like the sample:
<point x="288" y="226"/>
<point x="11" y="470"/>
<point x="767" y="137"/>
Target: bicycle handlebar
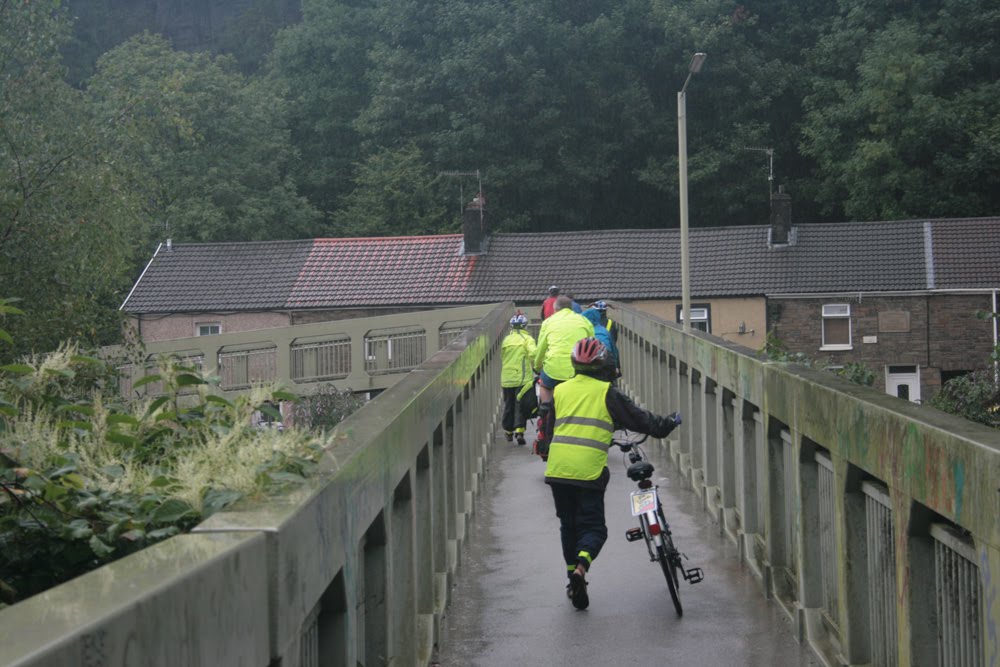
<point x="626" y="446"/>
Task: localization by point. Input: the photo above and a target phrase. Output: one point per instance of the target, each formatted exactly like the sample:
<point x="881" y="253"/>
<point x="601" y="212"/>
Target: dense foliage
<point x="68" y="219"/>
<point x="86" y="479"/>
<point x="337" y="117"/>
<point x="327" y="407"/>
<point x="976" y="395"/>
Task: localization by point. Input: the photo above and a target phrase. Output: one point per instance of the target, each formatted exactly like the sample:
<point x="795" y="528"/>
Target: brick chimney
<point x="475" y="226"/>
<point x="781" y="216"/>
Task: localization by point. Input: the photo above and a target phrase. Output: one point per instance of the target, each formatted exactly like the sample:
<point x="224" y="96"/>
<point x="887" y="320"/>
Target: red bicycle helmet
<point x="589" y="354"/>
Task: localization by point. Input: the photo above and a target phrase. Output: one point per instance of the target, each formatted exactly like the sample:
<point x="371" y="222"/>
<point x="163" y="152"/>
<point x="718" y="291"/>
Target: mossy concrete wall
<point x="938" y="469"/>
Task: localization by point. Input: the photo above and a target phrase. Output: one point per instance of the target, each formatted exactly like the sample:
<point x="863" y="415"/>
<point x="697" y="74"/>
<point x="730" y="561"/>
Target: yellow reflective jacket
<point x="583" y="430"/>
<point x="517" y="352"/>
<point x="558" y="335"/>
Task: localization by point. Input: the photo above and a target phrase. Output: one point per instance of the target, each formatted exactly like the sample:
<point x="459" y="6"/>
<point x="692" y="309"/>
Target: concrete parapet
<point x="353" y="568"/>
<point x="190" y="600"/>
<point x="870" y="519"/>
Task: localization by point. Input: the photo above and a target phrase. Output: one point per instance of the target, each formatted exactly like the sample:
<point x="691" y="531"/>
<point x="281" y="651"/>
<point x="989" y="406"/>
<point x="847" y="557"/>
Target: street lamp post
<point x="682" y="166"/>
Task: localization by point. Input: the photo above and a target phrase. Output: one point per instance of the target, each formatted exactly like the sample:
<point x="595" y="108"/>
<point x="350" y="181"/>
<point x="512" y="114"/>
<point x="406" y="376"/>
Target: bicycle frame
<point x="649" y="520"/>
<point x="653" y="528"/>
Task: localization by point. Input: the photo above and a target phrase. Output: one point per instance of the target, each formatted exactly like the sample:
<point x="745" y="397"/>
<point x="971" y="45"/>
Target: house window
<point x="208" y="328"/>
<point x="701" y="316"/>
<point x="836" y="326"/>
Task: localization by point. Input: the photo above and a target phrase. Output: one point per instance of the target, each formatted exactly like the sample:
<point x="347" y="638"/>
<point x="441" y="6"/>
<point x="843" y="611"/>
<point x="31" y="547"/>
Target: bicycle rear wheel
<point x="667" y="556"/>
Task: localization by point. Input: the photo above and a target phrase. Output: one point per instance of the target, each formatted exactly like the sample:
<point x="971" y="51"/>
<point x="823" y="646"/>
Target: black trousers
<point x="510" y="409"/>
<point x="516" y="413"/>
<point x="581" y="523"/>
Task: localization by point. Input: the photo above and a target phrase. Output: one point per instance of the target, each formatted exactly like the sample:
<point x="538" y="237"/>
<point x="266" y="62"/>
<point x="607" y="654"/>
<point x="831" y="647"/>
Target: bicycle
<point x="653" y="526"/>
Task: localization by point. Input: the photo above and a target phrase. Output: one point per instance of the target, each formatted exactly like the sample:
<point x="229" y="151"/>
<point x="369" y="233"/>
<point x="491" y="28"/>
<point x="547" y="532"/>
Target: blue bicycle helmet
<point x="519" y="321"/>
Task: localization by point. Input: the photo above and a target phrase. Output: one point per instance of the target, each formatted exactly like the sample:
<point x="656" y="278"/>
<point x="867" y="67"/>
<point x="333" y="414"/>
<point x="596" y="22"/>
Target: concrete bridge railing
<point x="354" y="569"/>
<point x="361" y="354"/>
<point x="874" y="522"/>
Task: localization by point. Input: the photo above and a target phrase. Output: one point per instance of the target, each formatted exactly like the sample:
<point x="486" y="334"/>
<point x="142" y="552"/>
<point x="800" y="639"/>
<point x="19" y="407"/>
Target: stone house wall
<point x="936" y="332"/>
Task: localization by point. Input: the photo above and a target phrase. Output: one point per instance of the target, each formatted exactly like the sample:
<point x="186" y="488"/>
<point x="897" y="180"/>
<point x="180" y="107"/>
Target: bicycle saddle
<point x="640" y="471"/>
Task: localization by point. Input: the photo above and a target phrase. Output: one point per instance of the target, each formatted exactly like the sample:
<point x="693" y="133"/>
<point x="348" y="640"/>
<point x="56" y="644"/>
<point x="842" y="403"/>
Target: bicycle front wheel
<point x="667" y="556"/>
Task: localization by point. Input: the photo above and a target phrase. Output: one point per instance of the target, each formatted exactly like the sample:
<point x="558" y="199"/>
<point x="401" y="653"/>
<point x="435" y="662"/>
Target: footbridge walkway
<point x="835" y="524"/>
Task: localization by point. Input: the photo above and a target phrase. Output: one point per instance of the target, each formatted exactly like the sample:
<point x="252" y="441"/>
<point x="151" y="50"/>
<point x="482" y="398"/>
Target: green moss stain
<point x="852" y="436"/>
<point x="958" y="472"/>
<point x="914" y="461"/>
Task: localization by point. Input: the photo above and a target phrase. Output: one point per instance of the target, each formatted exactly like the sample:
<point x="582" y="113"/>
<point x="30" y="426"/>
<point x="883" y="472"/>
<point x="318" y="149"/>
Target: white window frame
<point x="199" y="325"/>
<point x="700" y="315"/>
<point x="837" y="311"/>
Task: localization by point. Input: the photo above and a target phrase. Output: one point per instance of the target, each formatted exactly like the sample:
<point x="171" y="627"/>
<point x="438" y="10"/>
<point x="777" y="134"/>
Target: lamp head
<point x="697" y="60"/>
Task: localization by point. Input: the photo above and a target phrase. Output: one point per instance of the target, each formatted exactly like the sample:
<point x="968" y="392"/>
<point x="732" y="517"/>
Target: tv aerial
<point x="770" y="165"/>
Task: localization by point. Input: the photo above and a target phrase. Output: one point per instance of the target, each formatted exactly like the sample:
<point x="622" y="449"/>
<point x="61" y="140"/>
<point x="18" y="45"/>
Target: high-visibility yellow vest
<point x="517" y="353"/>
<point x="558" y="335"/>
<point x="583" y="430"/>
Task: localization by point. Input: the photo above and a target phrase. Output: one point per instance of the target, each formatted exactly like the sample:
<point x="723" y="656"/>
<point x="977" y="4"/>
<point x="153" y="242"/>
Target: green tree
<point x="547" y="100"/>
<point x="249" y="36"/>
<point x="395" y="193"/>
<point x="69" y="223"/>
<point x="213" y="144"/>
<point x="321" y="69"/>
<point x="904" y="116"/>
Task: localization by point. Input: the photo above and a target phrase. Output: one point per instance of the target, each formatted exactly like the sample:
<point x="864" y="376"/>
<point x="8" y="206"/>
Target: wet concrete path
<point x="509" y="605"/>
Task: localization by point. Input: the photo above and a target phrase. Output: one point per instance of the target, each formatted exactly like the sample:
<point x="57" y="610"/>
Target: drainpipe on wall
<point x="996" y="363"/>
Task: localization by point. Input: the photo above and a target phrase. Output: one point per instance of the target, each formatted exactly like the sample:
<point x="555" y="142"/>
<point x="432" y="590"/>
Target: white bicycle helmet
<point x="519" y="321"/>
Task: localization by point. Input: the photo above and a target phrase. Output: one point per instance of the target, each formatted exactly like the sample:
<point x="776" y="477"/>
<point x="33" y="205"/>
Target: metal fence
<point x="394" y="350"/>
<point x="956" y="585"/>
<point x="321" y="360"/>
<point x="242" y="368"/>
<point x="881" y="543"/>
<point x="449" y="331"/>
<point x="828" y="540"/>
<point x="790" y="515"/>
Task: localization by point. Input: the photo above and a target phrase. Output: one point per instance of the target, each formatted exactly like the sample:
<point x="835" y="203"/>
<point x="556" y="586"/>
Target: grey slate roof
<point x="966" y="253"/>
<point x="612" y="264"/>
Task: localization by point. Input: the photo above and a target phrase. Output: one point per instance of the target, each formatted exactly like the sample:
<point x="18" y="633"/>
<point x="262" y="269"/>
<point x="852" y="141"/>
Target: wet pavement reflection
<point x="509" y="605"/>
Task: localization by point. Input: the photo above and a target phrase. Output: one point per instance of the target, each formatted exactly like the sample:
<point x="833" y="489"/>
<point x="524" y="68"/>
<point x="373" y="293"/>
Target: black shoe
<point x="508" y="436"/>
<point x="577" y="591"/>
<point x="520" y="439"/>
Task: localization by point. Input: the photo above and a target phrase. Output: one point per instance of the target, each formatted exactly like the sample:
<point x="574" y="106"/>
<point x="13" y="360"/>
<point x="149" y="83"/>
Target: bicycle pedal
<point x="694" y="575"/>
<point x="633" y="534"/>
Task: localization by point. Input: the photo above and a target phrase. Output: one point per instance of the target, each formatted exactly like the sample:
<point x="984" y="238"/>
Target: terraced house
<point x="900" y="296"/>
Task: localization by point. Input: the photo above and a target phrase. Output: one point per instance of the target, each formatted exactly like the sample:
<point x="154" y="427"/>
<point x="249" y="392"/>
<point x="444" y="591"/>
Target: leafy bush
<point x="854" y="371"/>
<point x="326" y="408"/>
<point x="975" y="396"/>
<point x="775" y="349"/>
<point x="86" y="479"/>
<point x="857" y="372"/>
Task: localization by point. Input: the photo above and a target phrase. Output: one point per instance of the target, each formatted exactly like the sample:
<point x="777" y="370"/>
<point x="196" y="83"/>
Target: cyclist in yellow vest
<point x="587" y="411"/>
<point x="517" y="354"/>
<point x="556" y="338"/>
